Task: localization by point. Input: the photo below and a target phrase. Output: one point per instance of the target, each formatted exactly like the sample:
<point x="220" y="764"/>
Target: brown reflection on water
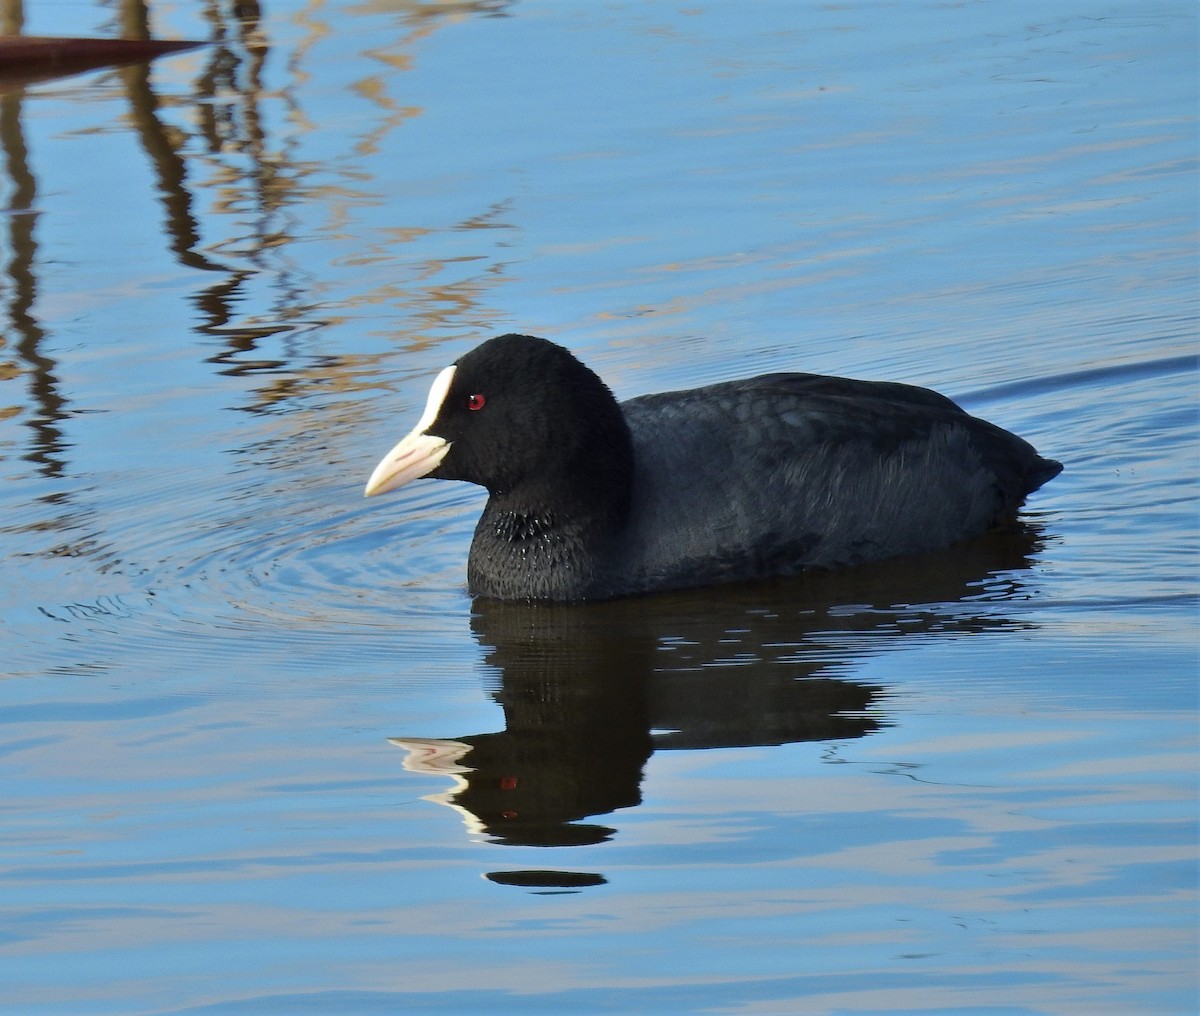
<point x="228" y="190"/>
<point x="20" y="294"/>
<point x="20" y="290"/>
<point x="263" y="192"/>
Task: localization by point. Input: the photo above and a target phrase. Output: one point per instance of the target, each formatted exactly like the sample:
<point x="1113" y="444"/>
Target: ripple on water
<point x="292" y="572"/>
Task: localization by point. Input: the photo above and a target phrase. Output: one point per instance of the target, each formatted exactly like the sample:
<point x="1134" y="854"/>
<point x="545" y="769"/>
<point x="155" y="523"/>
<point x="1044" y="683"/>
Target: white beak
<point x="418" y="453"/>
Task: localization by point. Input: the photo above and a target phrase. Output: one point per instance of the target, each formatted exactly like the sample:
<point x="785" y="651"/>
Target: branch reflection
<point x="31" y="60"/>
<point x="235" y="188"/>
<point x="19" y="290"/>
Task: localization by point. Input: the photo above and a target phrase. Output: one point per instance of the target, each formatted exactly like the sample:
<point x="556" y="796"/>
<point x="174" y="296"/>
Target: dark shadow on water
<point x="547" y="882"/>
<point x="590" y="691"/>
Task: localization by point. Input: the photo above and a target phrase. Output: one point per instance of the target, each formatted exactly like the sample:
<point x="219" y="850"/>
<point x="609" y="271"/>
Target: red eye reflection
<point x="476" y="401"/>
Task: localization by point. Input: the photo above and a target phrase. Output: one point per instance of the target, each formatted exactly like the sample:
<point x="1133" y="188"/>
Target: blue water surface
<point x="261" y="751"/>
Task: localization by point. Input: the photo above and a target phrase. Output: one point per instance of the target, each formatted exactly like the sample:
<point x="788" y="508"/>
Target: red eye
<point x="476" y="401"/>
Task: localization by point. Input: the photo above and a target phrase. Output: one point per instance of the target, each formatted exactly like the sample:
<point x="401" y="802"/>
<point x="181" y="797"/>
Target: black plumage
<point x="593" y="499"/>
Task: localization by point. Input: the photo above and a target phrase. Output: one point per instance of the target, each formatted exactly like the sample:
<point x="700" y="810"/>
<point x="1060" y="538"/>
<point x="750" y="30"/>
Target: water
<point x="262" y="753"/>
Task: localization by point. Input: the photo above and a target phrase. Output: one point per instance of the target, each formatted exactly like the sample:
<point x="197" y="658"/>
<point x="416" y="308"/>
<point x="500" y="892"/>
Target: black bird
<point x="771" y="475"/>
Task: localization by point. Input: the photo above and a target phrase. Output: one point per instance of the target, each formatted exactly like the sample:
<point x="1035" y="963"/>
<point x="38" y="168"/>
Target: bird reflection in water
<point x="589" y="691"/>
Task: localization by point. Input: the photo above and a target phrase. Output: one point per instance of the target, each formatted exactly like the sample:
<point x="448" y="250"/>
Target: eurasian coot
<point x="771" y="475"/>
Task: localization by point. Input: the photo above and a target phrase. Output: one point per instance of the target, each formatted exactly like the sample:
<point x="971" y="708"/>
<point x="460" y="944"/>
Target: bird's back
<point x="783" y="472"/>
